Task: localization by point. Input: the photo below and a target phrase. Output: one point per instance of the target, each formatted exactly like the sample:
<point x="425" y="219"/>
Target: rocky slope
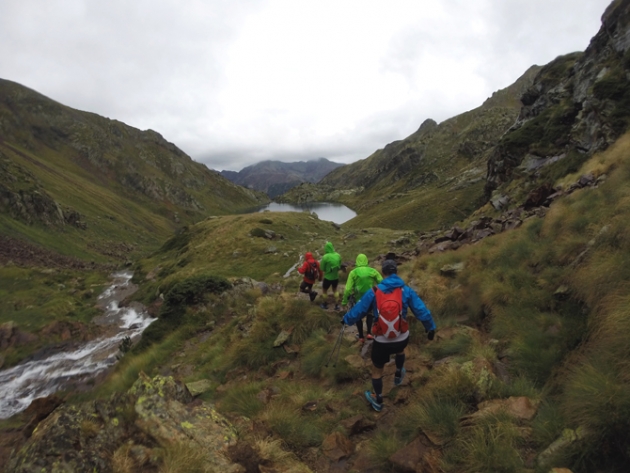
<point x="578" y="104"/>
<point x="276" y="177"/>
<point x="440" y="163"/>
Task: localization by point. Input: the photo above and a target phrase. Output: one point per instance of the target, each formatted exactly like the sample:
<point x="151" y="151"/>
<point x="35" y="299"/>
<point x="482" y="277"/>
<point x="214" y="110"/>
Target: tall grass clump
<point x="304" y="319"/>
<point x="183" y="457"/>
<point x="433" y="416"/>
<point x="492" y="444"/>
<point x="242" y="399"/>
<point x="296" y="430"/>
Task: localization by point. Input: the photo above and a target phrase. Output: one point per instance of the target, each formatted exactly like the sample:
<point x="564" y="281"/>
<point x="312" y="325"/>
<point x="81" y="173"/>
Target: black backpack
<point x="311" y="271"/>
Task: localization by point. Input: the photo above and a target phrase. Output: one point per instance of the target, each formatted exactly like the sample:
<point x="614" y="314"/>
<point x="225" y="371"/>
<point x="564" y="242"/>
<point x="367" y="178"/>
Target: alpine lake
<point x="336" y="213"/>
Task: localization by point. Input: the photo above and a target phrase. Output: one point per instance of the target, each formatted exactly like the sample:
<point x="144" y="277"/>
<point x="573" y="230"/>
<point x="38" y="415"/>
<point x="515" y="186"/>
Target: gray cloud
<point x="232" y="83"/>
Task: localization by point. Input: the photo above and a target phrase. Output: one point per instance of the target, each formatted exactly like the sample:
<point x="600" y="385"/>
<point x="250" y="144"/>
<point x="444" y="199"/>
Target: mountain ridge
<point x="276" y="177"/>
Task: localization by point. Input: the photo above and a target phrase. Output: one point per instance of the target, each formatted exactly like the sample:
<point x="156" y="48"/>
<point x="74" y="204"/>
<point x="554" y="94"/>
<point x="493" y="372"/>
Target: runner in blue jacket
<point x="384" y="347"/>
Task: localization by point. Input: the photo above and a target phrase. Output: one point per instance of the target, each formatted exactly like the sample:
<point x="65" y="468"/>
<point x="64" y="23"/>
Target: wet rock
<point x="11" y="336"/>
<point x="418" y="456"/>
<point x="357" y="424"/>
<point x="520" y="407"/>
<point x="310" y="406"/>
<point x="562" y="293"/>
<point x="586" y="180"/>
<point x="568" y="438"/>
<point x="282" y="337"/>
<point x="451" y="269"/>
<point x="337" y="446"/>
<point x="480" y="371"/>
<point x="537" y="197"/>
<point x="243" y="454"/>
<point x="355" y="361"/>
<point x="199" y="387"/>
<point x="500" y="201"/>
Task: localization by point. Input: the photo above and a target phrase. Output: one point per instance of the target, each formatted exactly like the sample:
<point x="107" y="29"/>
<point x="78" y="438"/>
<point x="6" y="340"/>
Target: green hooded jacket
<point x="330" y="263"/>
<point x="360" y="280"/>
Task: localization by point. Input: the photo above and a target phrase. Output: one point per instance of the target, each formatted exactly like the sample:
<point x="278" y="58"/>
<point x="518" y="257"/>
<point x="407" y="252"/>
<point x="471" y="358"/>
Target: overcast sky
<point x="233" y="82"/>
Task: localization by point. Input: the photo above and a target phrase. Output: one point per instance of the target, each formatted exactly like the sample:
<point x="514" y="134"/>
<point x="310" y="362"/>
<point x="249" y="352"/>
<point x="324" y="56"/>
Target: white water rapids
<point x="30" y="380"/>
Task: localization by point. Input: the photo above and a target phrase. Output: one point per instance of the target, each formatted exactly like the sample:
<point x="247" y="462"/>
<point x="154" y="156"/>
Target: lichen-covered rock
<point x="155" y="413"/>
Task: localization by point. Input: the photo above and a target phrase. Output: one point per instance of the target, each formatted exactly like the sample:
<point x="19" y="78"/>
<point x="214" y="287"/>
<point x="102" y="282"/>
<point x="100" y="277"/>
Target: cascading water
<point x="30" y="380"/>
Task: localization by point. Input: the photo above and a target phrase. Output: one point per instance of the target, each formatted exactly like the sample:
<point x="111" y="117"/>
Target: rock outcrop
<point x="578" y="104"/>
<point x="139" y="427"/>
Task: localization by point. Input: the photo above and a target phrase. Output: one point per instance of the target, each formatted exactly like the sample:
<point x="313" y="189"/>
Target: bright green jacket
<point x="330" y="263"/>
<point x="360" y="280"/>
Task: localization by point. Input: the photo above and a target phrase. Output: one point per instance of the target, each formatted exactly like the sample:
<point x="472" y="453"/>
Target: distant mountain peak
<point x="277" y="177"/>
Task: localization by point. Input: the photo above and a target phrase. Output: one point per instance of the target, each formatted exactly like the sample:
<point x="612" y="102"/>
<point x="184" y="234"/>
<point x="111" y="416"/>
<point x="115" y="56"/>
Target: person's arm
<point x="323" y="264"/>
<point x="349" y="288"/>
<point x="420" y="310"/>
<point x="377" y="276"/>
<point x="360" y="309"/>
<point x="302" y="268"/>
<point x="320" y="274"/>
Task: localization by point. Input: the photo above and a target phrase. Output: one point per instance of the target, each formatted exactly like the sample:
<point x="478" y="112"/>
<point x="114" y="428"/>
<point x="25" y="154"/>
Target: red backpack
<point x="389" y="322"/>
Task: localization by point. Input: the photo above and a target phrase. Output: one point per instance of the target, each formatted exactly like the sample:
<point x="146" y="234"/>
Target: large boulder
<point x="154" y="414"/>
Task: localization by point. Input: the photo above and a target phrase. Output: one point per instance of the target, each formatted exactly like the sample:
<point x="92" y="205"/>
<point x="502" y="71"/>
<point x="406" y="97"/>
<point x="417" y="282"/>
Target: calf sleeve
<point x="400" y="362"/>
<point x="360" y="328"/>
<point x="377" y="384"/>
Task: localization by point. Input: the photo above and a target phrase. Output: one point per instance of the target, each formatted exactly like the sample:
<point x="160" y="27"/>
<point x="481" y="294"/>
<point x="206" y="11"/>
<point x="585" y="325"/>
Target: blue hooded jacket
<point x="409" y="299"/>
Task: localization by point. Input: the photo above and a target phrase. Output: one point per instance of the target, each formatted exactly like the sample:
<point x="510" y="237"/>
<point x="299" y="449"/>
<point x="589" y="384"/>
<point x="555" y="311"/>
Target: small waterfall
<point x="30" y="380"/>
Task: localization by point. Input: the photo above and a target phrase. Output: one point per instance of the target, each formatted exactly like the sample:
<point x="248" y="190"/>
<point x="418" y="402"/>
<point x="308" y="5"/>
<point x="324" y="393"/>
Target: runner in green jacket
<point x="330" y="265"/>
<point x="360" y="280"/>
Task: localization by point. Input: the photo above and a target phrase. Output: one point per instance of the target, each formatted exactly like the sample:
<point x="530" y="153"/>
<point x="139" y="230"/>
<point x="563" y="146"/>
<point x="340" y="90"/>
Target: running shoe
<point x="371" y="398"/>
<point x="399" y="379"/>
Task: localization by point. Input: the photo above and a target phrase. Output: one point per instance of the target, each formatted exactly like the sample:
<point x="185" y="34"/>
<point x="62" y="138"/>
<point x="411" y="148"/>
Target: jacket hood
<point x="390" y="283"/>
<point x="362" y="260"/>
<point x="329" y="248"/>
<point x="308" y="256"/>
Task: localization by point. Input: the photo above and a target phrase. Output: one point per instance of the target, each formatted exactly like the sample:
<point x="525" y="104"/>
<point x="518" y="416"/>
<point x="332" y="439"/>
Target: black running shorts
<point x="382" y="351"/>
<point x="327" y="283"/>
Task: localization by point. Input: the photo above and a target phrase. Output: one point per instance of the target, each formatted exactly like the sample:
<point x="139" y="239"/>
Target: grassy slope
<point x="128" y="185"/>
<point x="568" y="352"/>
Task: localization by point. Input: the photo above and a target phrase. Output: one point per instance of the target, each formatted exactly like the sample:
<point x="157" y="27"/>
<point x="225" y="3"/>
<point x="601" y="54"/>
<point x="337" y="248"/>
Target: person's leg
<point x="360" y="329"/>
<point x="335" y="283"/>
<point x="380" y="356"/>
<point x="400" y="362"/>
<point x="377" y="383"/>
<point x="325" y="286"/>
<point x="369" y="319"/>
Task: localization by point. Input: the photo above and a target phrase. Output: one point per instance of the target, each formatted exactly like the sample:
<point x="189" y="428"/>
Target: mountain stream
<point x="43" y="376"/>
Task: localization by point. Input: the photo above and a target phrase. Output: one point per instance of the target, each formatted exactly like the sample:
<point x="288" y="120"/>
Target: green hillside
<point x="92" y="187"/>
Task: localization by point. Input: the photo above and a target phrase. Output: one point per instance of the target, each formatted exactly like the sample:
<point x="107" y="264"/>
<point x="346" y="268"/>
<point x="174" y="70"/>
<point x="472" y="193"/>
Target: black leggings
<point x="369" y="318"/>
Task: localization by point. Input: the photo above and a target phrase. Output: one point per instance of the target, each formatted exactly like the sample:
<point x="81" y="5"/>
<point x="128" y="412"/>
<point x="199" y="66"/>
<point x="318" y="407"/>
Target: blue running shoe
<point x="399" y="379"/>
<point x="324" y="306"/>
<point x="372" y="400"/>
